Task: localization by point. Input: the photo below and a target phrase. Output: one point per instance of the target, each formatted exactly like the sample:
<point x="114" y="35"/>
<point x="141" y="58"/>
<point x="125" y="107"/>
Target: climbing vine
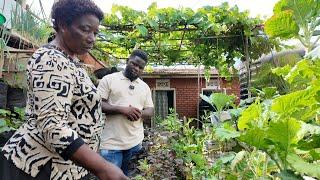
<point x="212" y="35"/>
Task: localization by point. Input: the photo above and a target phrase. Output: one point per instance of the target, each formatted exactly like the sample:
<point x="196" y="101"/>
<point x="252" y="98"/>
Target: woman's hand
<point x="92" y="161"/>
<point x="112" y="172"/>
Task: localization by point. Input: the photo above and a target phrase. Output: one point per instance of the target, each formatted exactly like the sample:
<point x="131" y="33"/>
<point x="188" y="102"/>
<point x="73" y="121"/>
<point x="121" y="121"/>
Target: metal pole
<point x="248" y="66"/>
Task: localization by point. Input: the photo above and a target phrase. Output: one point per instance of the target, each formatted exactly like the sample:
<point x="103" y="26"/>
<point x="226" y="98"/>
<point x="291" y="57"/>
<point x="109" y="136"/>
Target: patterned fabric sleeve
<point x="53" y="85"/>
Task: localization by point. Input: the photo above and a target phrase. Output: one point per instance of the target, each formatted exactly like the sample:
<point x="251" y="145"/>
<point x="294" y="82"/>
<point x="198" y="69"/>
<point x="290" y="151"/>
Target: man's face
<point x="134" y="68"/>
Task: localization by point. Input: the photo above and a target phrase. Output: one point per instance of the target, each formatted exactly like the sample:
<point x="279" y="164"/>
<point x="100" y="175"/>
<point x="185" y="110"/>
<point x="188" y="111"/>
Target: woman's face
<point x="80" y="36"/>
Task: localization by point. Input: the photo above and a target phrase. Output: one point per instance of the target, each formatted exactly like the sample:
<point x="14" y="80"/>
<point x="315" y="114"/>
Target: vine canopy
<point x="212" y="35"/>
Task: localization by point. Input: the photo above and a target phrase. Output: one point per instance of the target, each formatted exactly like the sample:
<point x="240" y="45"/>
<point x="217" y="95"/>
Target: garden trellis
<point x="212" y="36"/>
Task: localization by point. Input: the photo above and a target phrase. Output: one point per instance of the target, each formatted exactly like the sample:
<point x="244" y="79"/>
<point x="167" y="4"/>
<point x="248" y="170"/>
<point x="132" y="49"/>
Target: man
<point x="127" y="101"/>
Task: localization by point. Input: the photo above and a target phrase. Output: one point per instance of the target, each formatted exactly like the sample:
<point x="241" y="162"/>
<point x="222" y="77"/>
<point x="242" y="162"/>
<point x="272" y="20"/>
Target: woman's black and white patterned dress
<point x="63" y="112"/>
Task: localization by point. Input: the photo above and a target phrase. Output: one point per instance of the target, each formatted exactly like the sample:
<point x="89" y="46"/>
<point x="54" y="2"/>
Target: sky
<point x="262" y="8"/>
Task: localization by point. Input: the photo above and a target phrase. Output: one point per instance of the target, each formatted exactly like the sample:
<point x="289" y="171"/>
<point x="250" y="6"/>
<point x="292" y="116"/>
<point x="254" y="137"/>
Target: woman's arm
<point x="90" y="160"/>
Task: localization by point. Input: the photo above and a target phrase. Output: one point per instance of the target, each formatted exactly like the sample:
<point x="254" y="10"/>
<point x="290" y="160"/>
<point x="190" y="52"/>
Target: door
<point x="164" y="101"/>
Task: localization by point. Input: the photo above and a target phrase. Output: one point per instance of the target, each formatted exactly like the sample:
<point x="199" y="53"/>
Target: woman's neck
<point x="58" y="41"/>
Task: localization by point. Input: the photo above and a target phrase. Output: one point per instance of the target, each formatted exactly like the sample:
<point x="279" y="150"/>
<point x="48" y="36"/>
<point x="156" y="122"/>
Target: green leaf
<point x="269" y="92"/>
<point x="255" y="137"/>
<point x="231" y="177"/>
<point x="249" y="115"/>
<point x="3" y="122"/>
<point x="280" y="6"/>
<point x="309" y="143"/>
<point x="284" y="133"/>
<point x="235" y="112"/>
<point x="288" y="175"/>
<point x="142" y="30"/>
<point x="315" y="154"/>
<point x="298" y="164"/>
<point x="198" y="159"/>
<point x="237" y="159"/>
<point x="304" y="72"/>
<point x="225" y="134"/>
<point x="300" y="105"/>
<point x="4" y="112"/>
<point x="4" y="126"/>
<point x="219" y="100"/>
<point x="304" y="10"/>
<point x="282" y="71"/>
<point x="282" y="25"/>
<point x="4" y="129"/>
<point x="153" y="24"/>
<point x="227" y="158"/>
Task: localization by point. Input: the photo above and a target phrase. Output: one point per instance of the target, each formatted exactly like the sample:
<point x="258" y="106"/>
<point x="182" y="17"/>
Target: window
<point x="213" y="84"/>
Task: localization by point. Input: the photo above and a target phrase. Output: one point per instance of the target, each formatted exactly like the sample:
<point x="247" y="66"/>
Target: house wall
<point x="186" y="90"/>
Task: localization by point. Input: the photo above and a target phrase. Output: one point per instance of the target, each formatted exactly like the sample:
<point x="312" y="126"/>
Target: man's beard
<point x="130" y="75"/>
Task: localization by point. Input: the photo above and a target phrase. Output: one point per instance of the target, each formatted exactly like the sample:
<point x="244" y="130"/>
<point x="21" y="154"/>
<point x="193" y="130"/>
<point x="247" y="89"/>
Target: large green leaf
<point x="304" y="10"/>
<point x="284" y="133"/>
<point x="223" y="133"/>
<point x="280" y="6"/>
<point x="255" y="137"/>
<point x="219" y="100"/>
<point x="249" y="115"/>
<point x="300" y="105"/>
<point x="301" y="73"/>
<point x="298" y="164"/>
<point x="282" y="25"/>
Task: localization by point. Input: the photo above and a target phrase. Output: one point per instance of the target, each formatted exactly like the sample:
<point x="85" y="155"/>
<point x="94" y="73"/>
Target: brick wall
<point x="187" y="94"/>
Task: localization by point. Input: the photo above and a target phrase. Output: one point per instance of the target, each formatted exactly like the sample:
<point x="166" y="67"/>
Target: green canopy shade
<point x="2" y="19"/>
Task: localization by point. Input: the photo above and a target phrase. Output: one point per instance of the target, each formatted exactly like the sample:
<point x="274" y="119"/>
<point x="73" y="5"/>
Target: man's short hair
<point x="140" y="53"/>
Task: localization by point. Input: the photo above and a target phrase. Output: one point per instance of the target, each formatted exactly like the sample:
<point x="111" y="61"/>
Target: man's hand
<point x="132" y="113"/>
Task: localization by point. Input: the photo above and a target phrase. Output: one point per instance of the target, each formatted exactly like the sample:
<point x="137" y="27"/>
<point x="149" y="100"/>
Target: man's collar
<point x="123" y="77"/>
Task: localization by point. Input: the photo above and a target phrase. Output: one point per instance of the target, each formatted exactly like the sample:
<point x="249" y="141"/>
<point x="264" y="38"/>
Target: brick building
<point x="179" y="88"/>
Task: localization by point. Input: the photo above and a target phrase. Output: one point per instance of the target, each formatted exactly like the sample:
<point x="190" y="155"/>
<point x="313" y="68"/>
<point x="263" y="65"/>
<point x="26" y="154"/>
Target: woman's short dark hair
<point x="64" y="12"/>
<point x="140" y="53"/>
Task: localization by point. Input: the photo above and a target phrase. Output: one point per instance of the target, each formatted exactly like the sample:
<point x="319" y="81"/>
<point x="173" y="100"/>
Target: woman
<point x="60" y="137"/>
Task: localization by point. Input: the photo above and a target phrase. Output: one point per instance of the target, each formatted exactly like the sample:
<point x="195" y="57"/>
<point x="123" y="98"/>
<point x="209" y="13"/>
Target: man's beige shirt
<point x="119" y="133"/>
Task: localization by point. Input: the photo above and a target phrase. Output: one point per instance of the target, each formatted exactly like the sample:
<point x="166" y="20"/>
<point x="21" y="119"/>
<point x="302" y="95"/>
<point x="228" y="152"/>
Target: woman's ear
<point x="62" y="27"/>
